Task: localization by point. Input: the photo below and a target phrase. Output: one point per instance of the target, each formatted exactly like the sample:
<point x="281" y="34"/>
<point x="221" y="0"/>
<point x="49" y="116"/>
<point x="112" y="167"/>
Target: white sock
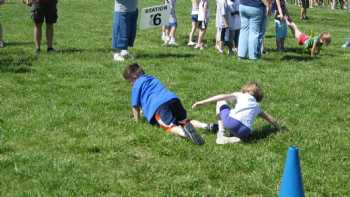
<point x="221" y="130"/>
<point x="178" y="130"/>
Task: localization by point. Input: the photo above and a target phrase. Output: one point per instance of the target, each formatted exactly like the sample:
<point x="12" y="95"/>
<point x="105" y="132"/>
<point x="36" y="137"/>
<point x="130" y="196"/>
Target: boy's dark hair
<point x="132" y="71"/>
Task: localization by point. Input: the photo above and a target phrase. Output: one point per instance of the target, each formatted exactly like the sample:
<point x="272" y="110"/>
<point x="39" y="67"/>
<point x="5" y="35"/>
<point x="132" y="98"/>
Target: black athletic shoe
<point x="192" y="134"/>
<point x="37" y="51"/>
<point x="51" y="50"/>
<point x="212" y="128"/>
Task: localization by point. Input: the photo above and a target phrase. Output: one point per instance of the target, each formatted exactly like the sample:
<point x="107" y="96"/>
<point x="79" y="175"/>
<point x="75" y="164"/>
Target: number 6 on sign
<point x="155" y="16"/>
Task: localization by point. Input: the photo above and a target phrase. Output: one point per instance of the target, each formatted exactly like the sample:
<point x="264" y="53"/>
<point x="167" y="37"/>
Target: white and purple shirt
<point x="246" y="109"/>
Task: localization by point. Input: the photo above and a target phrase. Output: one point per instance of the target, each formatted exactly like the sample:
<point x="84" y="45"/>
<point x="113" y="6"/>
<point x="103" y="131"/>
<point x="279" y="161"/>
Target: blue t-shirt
<point x="149" y="93"/>
<point x="252" y="3"/>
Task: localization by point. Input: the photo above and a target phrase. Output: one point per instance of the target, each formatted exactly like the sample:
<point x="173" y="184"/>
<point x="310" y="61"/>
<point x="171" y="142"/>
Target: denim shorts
<point x="281" y="29"/>
<point x="194" y="17"/>
<point x="124" y="29"/>
<point x="170" y="25"/>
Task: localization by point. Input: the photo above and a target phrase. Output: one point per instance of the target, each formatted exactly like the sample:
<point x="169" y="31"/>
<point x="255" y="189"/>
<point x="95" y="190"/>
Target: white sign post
<point x="155" y="16"/>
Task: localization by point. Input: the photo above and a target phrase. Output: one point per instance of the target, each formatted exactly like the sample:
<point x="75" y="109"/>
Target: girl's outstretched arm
<point x="216" y="98"/>
<point x="269" y="119"/>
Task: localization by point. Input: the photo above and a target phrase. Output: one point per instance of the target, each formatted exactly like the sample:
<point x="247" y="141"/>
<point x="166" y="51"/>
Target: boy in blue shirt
<point x="160" y="106"/>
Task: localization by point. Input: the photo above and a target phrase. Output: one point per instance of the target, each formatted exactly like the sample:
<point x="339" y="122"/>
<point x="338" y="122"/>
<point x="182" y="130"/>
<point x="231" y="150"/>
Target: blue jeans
<point x="124" y="29"/>
<point x="252" y="31"/>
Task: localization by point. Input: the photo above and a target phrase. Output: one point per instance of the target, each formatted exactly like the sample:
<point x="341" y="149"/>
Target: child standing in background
<point x="240" y="119"/>
<point x="281" y="15"/>
<point x="203" y="17"/>
<point x="234" y="25"/>
<point x="222" y="23"/>
<point x="169" y="30"/>
<point x="194" y="16"/>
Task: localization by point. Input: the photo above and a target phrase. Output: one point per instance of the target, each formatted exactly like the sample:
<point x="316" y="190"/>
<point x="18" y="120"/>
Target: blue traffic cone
<point x="292" y="183"/>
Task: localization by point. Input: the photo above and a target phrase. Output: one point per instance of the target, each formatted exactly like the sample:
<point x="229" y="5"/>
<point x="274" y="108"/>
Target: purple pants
<point x="236" y="128"/>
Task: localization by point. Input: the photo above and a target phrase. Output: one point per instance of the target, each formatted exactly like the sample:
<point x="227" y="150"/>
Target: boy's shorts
<point x="302" y="38"/>
<point x="281" y="29"/>
<point x="170" y="25"/>
<point x="45" y="11"/>
<point x="304" y="3"/>
<point x="194" y="17"/>
<point x="202" y="25"/>
<point x="124" y="29"/>
<point x="236" y="128"/>
<point x="170" y="114"/>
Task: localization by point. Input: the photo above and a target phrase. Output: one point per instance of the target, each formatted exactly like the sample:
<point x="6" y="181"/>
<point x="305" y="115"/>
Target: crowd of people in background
<point x="240" y="24"/>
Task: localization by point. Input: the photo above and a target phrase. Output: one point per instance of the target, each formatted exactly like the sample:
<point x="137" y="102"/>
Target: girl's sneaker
<point x="2" y="44"/>
<point x="227" y="140"/>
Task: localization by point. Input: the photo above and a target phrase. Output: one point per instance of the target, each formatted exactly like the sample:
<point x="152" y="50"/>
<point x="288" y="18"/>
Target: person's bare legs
<point x="49" y="35"/>
<point x="199" y="125"/>
<point x="193" y="30"/>
<point x="200" y="38"/>
<point x="177" y="131"/>
<point x="172" y="34"/>
<point x="37" y="35"/>
<point x="295" y="30"/>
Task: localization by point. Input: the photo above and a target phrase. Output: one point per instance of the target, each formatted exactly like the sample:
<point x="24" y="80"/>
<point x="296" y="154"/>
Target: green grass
<point x="66" y="127"/>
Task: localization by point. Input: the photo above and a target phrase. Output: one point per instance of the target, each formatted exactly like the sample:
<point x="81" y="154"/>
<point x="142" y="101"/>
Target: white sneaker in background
<point x="173" y="43"/>
<point x="2" y="45"/>
<point x="227" y="140"/>
<point x="219" y="49"/>
<point x="191" y="44"/>
<point x="118" y="57"/>
<point x="124" y="53"/>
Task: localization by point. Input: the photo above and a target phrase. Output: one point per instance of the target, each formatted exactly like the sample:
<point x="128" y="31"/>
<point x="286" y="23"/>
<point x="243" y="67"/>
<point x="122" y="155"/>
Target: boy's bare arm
<point x="269" y="119"/>
<point x="136" y="113"/>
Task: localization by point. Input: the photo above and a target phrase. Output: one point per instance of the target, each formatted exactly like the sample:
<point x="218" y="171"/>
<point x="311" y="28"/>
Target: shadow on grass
<point x="263" y="133"/>
<point x="79" y="50"/>
<point x="19" y="43"/>
<point x="297" y="58"/>
<point x="163" y="55"/>
<point x="16" y="64"/>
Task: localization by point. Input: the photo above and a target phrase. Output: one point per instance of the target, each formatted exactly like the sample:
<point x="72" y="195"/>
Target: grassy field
<point x="65" y="118"/>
